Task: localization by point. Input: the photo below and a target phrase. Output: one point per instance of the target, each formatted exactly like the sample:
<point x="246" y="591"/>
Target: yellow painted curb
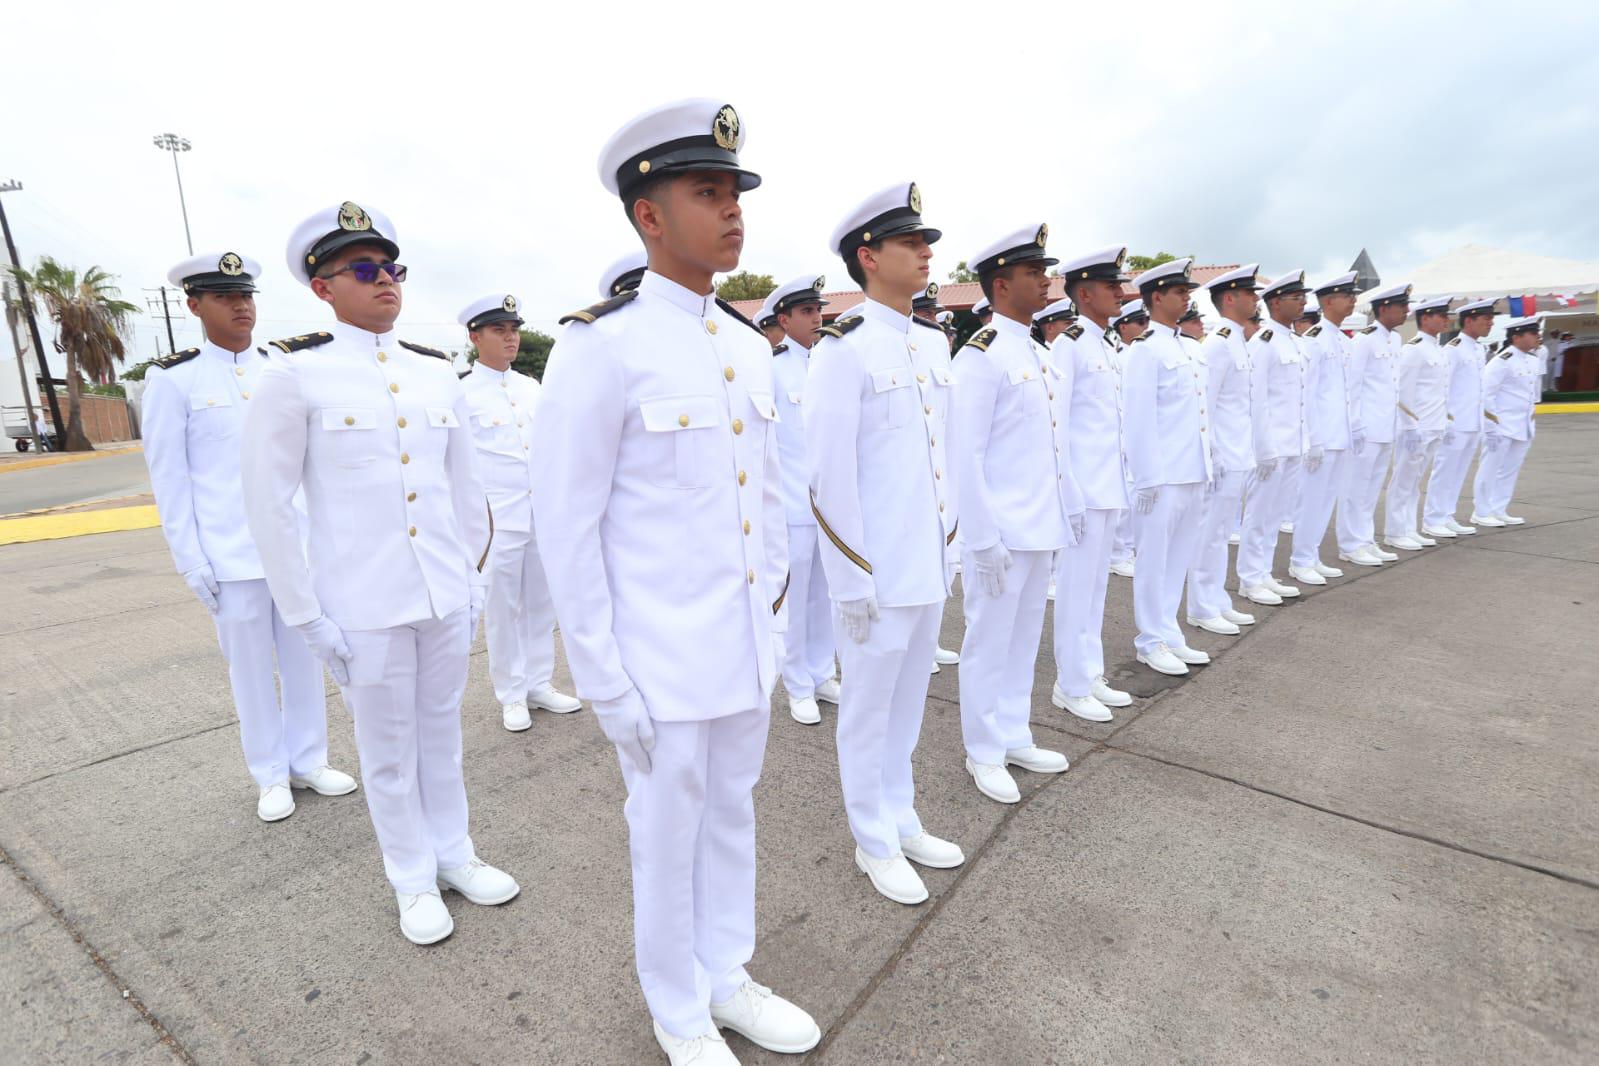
<point x="61" y="526"/>
<point x="57" y="458"/>
<point x="1566" y="408"/>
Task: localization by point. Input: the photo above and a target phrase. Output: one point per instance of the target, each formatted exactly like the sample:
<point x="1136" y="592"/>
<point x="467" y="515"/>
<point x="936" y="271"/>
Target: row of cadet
<point x="706" y="514"/>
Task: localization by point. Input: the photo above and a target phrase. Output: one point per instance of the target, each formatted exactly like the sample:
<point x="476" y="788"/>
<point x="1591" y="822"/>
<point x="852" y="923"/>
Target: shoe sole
<point x="554" y="710"/>
<point x="1035" y="770"/>
<point x="781" y="1049"/>
<point x="312" y="788"/>
<point x="1126" y="701"/>
<point x="1361" y="562"/>
<point x="1195" y="662"/>
<point x="933" y="865"/>
<point x="279" y="818"/>
<point x="1261" y="603"/>
<point x="881" y="892"/>
<point x="1169" y="673"/>
<point x="1408" y="548"/>
<point x="1318" y="582"/>
<point x="433" y="940"/>
<point x="825" y="699"/>
<point x="1197" y="624"/>
<point x="479" y="900"/>
<point x="997" y="799"/>
<point x="518" y="728"/>
<point x="805" y="721"/>
<point x="1081" y="717"/>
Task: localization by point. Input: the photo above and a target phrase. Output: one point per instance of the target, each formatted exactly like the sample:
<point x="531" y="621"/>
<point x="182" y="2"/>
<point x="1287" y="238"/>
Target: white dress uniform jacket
<point x="1014" y="464"/>
<point x="395" y="541"/>
<point x="1088" y="402"/>
<point x="661" y="524"/>
<point x="502" y="405"/>
<point x="1374" y="374"/>
<point x="1232" y="440"/>
<point x="1511" y="388"/>
<point x="1327" y="394"/>
<point x="1277" y="393"/>
<point x="791" y="364"/>
<point x="875" y="434"/>
<point x="1465" y="384"/>
<point x="1167" y="417"/>
<point x="1424" y="387"/>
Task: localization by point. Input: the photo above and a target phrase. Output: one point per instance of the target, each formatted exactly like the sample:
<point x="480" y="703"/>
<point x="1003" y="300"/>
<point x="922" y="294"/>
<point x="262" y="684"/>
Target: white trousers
<point x="1122" y="544"/>
<point x="518" y="617"/>
<point x="808" y="646"/>
<point x="1167" y="539"/>
<point x="1319" y="491"/>
<point x="1448" y="477"/>
<point x="406" y="684"/>
<point x="279" y="738"/>
<point x="1265" y="510"/>
<point x="691" y="835"/>
<point x="999" y="654"/>
<point x="1207" y="575"/>
<point x="881" y="701"/>
<point x="1496" y="476"/>
<point x="1292" y="490"/>
<point x="1080" y="580"/>
<point x="1357" y="507"/>
<point x="1404" y="488"/>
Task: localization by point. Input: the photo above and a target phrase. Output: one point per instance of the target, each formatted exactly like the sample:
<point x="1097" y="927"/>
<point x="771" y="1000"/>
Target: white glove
<point x="1313" y="459"/>
<point x="1265" y="469"/>
<point x="991" y="563"/>
<point x="626" y="723"/>
<point x="327" y="643"/>
<point x="1076" y="521"/>
<point x="203" y="583"/>
<point x="1145" y="500"/>
<point x="857" y="617"/>
<point x="477" y="597"/>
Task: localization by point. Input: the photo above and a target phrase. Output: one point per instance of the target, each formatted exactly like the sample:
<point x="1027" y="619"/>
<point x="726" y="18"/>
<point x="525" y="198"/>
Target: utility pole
<point x="165" y="309"/>
<point x="171" y="142"/>
<point x="48" y="387"/>
<point x="12" y="314"/>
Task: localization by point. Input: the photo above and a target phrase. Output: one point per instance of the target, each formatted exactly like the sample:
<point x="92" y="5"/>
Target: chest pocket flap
<point x="667" y="414"/>
<point x="796" y="398"/>
<point x="890" y="379"/>
<point x="1174" y="360"/>
<point x="1021" y="375"/>
<point x="762" y="402"/>
<point x="342" y="418"/>
<point x="942" y="375"/>
<point x="200" y="401"/>
<point x="442" y="418"/>
<point x="489" y="420"/>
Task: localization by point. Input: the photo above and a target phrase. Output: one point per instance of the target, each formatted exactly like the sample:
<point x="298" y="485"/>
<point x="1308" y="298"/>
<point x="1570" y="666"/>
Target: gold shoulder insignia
<point x="298" y="344"/>
<point x="730" y="309"/>
<point x="422" y="349"/>
<point x="1074" y="331"/>
<point x="1453" y="342"/>
<point x="983" y="338"/>
<point x="1369" y="329"/>
<point x="841" y="326"/>
<point x="1265" y="336"/>
<point x="1314" y="331"/>
<point x="599" y="310"/>
<point x="1414" y="340"/>
<point x="177" y="357"/>
<point x="1225" y="332"/>
<point x="1144" y="336"/>
<point x="780" y="349"/>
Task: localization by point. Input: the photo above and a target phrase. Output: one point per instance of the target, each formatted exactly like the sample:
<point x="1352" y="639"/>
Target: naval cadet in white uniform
<point x="1512" y="385"/>
<point x="1462" y="438"/>
<point x="1020" y="504"/>
<point x="1373" y="416"/>
<point x="1327" y="401"/>
<point x="1235" y="295"/>
<point x="1125" y="328"/>
<point x="660" y="520"/>
<point x="877" y="402"/>
<point x="1423" y="419"/>
<point x="194" y="405"/>
<point x="808" y="667"/>
<point x="519" y="618"/>
<point x="388" y="590"/>
<point x="925" y="306"/>
<point x="1088" y="405"/>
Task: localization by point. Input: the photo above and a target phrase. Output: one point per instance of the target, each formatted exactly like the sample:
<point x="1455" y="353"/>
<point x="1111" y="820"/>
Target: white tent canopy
<point x="1478" y="272"/>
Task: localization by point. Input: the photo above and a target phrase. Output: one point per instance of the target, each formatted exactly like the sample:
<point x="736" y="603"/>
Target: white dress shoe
<point x="805" y="711"/>
<point x="945" y="657"/>
<point x="1218" y="624"/>
<point x="1261" y="594"/>
<point x="767" y="1020"/>
<point x="547" y="699"/>
<point x="1085" y="707"/>
<point x="1191" y="656"/>
<point x="423" y="917"/>
<point x="480" y="883"/>
<point x="1038" y="760"/>
<point x="1385" y="556"/>
<point x="1163" y="660"/>
<point x="1327" y="571"/>
<point x="1409" y="544"/>
<point x="1461" y="530"/>
<point x="1286" y="527"/>
<point x="516" y="717"/>
<point x="707" y="1049"/>
<point x="1511" y="520"/>
<point x="1051" y="593"/>
<point x="1360" y="557"/>
<point x="893" y="877"/>
<point x="1287" y="592"/>
<point x="1110" y="697"/>
<point x="1233" y="539"/>
<point x="1306" y="576"/>
<point x="936" y="669"/>
<point x="827" y="691"/>
<point x="925" y="849"/>
<point x="1124" y="568"/>
<point x="1439" y="532"/>
<point x="324" y="781"/>
<point x="1425" y="541"/>
<point x="1238" y="618"/>
<point x="1484" y="520"/>
<point x="994" y="781"/>
<point x="276" y="803"/>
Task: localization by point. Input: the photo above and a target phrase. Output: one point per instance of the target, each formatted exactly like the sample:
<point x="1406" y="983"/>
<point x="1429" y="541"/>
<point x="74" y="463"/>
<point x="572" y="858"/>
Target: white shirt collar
<point x="653" y="284"/>
<point x="889" y="317"/>
<point x="216" y="351"/>
<point x="482" y="370"/>
<point x="794" y="345"/>
<point x="355" y="335"/>
<point x="1010" y="325"/>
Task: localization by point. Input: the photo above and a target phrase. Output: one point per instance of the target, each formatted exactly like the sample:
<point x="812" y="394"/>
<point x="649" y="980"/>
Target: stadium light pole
<point x="171" y="142"/>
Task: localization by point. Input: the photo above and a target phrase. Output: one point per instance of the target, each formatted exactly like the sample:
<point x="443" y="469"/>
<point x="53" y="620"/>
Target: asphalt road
<point x="1369" y="832"/>
<point x="108" y="478"/>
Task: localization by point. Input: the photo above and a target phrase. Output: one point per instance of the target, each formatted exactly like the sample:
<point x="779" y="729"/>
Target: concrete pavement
<point x="1367" y="832"/>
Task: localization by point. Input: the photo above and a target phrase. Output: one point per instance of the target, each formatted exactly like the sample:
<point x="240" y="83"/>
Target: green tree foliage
<point x="746" y="286"/>
<point x="1136" y="264"/>
<point x="962" y="273"/>
<point x="533" y="353"/>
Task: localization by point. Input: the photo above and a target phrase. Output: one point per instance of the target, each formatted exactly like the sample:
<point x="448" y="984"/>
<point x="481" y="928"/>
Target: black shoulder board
<point x="1265" y="336"/>
<point x="1369" y="329"/>
<point x="463" y="375"/>
<point x="263" y="351"/>
<point x="730" y="309"/>
<point x="422" y="349"/>
<point x="296" y="344"/>
<point x="1074" y="331"/>
<point x="841" y="326"/>
<point x="1314" y="331"/>
<point x="1453" y="342"/>
<point x="1225" y="332"/>
<point x="780" y="349"/>
<point x="1508" y="352"/>
<point x="599" y="310"/>
<point x="920" y="321"/>
<point x="177" y="357"/>
<point x="1414" y="340"/>
<point x="1144" y="336"/>
<point x="983" y="338"/>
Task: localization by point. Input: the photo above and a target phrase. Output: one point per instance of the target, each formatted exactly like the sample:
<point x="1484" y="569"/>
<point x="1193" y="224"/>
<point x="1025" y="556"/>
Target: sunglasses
<point x="367" y="272"/>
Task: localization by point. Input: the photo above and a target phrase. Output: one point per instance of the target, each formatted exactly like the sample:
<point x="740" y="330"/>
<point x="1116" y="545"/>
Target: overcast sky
<point x="1285" y="133"/>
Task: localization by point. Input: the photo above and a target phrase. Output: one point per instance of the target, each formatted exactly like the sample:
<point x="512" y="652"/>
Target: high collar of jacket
<point x="882" y="313"/>
<point x="365" y="338"/>
<point x="664" y="288"/>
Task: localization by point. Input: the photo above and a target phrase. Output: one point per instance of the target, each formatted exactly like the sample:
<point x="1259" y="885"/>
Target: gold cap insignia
<point x="915" y="200"/>
<point x="353" y="218"/>
<point x="819" y="284"/>
<point x="1121" y="258"/>
<point x="510" y="304"/>
<point x="231" y="265"/>
<point x="725" y="127"/>
<point x="1043" y="234"/>
<point x="932" y="290"/>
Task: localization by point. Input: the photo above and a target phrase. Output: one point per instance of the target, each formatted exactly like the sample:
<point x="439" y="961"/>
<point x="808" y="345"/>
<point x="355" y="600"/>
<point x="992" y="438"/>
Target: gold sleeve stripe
<point x="1408" y="411"/>
<point x="952" y="531"/>
<point x="1490" y="416"/>
<point x="490" y="544"/>
<point x="781" y="596"/>
<point x="839" y="544"/>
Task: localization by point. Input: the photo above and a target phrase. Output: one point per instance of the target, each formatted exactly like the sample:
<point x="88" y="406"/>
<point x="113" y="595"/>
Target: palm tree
<point x="89" y="315"/>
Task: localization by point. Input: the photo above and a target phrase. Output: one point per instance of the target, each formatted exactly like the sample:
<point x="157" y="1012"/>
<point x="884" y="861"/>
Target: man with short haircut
<point x="1020" y="504"/>
<point x="1464" y="432"/>
<point x="1168" y="455"/>
<point x="1373" y="378"/>
<point x="1327" y="401"/>
<point x="925" y="307"/>
<point x="876" y="406"/>
<point x="808" y="673"/>
<point x="389" y="587"/>
<point x="660" y="518"/>
<point x="767" y="321"/>
<point x="1131" y="322"/>
<point x="194" y="407"/>
<point x="1053" y="320"/>
<point x="519" y="618"/>
<point x="1423" y="419"/>
<point x="1307" y="319"/>
<point x="1192" y="324"/>
<point x="1128" y="325"/>
<point x="1512" y="384"/>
